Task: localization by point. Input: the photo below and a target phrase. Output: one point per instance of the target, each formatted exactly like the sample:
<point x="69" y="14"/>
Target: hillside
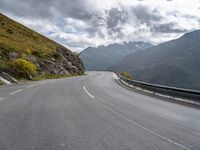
<point x="25" y="53"/>
<point x="174" y="63"/>
<point x="102" y="57"/>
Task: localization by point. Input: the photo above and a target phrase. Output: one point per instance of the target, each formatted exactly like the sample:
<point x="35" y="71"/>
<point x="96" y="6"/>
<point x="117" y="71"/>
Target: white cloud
<point x="78" y="24"/>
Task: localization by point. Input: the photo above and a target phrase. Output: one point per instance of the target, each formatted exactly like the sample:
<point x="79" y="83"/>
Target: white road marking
<point x="149" y="130"/>
<point x="41" y="83"/>
<point x="88" y="92"/>
<point x="17" y="91"/>
<point x="31" y="86"/>
<point x="115" y="76"/>
<point x="2" y="98"/>
<point x="35" y="85"/>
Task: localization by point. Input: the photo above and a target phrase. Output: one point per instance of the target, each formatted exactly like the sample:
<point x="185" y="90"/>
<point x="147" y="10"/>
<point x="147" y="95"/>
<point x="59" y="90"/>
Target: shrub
<point x="1" y="83"/>
<point x="27" y="51"/>
<point x="56" y="56"/>
<point x="23" y="68"/>
<point x="126" y="75"/>
<point x="9" y="31"/>
<point x="40" y="53"/>
<point x="3" y="64"/>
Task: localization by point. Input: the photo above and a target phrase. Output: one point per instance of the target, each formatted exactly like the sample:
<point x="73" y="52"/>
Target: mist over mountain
<point x="173" y="63"/>
<point x="102" y="57"/>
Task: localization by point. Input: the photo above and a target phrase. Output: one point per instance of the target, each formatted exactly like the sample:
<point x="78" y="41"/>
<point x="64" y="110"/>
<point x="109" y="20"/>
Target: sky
<point x="78" y="24"/>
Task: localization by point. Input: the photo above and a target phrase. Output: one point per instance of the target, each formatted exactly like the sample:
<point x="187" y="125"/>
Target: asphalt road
<point x="92" y="112"/>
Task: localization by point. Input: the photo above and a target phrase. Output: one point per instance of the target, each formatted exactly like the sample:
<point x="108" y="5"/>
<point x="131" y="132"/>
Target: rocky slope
<point x="102" y="57"/>
<point x="174" y="63"/>
<point x="23" y="51"/>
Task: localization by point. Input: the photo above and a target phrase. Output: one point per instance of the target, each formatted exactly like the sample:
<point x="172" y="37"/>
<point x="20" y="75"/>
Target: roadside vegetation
<point x="18" y="44"/>
<point x="25" y="54"/>
<point x="1" y="83"/>
<point x="23" y="68"/>
<point x="49" y="76"/>
<point x="126" y="75"/>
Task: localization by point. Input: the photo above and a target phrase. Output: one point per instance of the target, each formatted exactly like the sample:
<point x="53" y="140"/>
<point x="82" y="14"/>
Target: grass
<point x="1" y="83"/>
<point x="126" y="75"/>
<point x="24" y="42"/>
<point x="51" y="76"/>
<point x="16" y="37"/>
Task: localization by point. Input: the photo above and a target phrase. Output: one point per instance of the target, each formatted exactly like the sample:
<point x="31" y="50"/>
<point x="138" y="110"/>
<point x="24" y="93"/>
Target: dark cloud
<point x="115" y="17"/>
<point x="28" y="9"/>
<point x="77" y="23"/>
<point x="167" y="28"/>
<point x="46" y="8"/>
<point x="145" y="15"/>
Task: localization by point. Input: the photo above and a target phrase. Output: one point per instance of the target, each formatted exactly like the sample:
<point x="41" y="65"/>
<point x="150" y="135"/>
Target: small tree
<point x="23" y="68"/>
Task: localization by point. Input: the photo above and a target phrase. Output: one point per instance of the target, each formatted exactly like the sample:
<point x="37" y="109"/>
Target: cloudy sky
<point x="78" y="24"/>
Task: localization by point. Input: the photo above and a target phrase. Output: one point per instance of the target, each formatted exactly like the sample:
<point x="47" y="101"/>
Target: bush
<point x="39" y="53"/>
<point x="3" y="64"/>
<point x="23" y="68"/>
<point x="1" y="83"/>
<point x="27" y="51"/>
<point x="49" y="76"/>
<point x="56" y="56"/>
<point x="126" y="75"/>
<point x="9" y="31"/>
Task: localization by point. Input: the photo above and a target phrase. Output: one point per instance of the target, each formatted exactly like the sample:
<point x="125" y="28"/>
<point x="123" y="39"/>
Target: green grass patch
<point x="50" y="76"/>
<point x="16" y="37"/>
<point x="23" y="68"/>
<point x="1" y="83"/>
<point x="126" y="75"/>
<point x="22" y="48"/>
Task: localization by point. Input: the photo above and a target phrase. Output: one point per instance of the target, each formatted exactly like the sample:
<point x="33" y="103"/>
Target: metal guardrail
<point x="193" y="95"/>
<point x="8" y="77"/>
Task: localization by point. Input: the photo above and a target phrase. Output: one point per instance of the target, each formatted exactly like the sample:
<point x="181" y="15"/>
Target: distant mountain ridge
<point x="173" y="63"/>
<point x="102" y="57"/>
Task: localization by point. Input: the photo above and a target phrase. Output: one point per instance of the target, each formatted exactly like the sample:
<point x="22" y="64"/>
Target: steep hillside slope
<point x="173" y="63"/>
<point x="102" y="57"/>
<point x="24" y="53"/>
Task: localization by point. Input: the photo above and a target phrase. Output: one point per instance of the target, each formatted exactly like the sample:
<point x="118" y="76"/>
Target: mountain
<point x="102" y="57"/>
<point x="24" y="52"/>
<point x="174" y="63"/>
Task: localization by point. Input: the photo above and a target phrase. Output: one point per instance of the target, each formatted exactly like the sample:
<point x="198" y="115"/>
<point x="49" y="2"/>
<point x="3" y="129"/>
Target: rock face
<point x="174" y="63"/>
<point x="20" y="42"/>
<point x="102" y="57"/>
<point x="66" y="62"/>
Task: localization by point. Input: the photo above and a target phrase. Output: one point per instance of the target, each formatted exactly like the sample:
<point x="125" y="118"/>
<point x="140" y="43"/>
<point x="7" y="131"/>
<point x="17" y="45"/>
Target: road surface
<point x="92" y="112"/>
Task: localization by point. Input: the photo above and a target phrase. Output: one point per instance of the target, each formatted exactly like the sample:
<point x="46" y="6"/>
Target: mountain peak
<point x="194" y="35"/>
<point x="102" y="57"/>
<point x="173" y="63"/>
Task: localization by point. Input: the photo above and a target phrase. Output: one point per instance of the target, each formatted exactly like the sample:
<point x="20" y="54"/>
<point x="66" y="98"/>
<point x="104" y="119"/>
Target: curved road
<point x="92" y="112"/>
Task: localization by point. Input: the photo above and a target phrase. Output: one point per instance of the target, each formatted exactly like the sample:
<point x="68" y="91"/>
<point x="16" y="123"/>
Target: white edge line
<point x="17" y="91"/>
<point x="31" y="86"/>
<point x="88" y="92"/>
<point x="41" y="83"/>
<point x="151" y="131"/>
<point x="2" y="98"/>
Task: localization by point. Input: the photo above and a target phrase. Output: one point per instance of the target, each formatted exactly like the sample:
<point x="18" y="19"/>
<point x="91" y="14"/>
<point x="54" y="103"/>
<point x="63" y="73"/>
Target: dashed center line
<point x="2" y="98"/>
<point x="88" y="92"/>
<point x="17" y="91"/>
